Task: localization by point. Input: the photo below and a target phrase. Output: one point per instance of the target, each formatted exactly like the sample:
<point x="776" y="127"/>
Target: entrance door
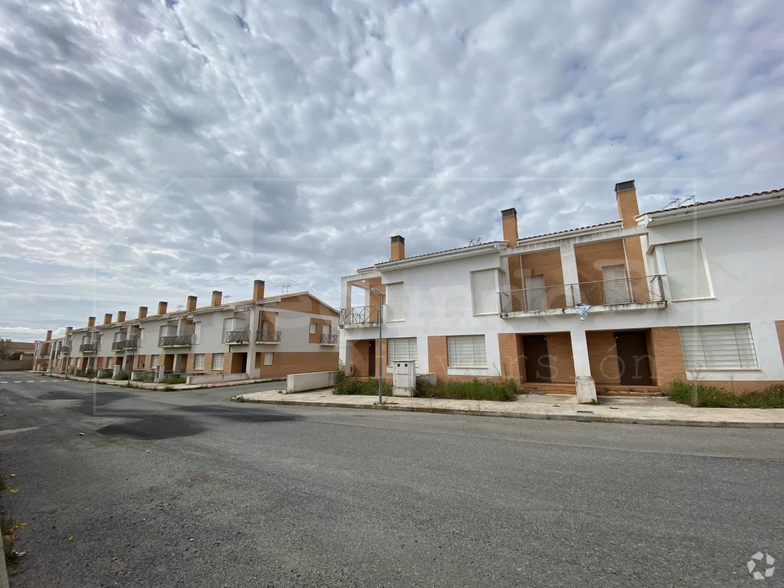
<point x="633" y="365"/>
<point x="616" y="290"/>
<point x="372" y="359"/>
<point x="537" y="360"/>
<point x="535" y="293"/>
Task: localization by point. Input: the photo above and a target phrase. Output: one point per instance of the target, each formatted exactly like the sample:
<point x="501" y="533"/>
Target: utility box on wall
<point x="404" y="378"/>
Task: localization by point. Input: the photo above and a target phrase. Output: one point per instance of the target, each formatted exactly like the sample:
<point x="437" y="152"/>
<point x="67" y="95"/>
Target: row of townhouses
<point x="262" y="337"/>
<point x="688" y="293"/>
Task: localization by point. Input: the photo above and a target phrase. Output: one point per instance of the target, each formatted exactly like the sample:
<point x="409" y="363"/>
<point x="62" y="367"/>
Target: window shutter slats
<point x="466" y="351"/>
<point x="401" y="349"/>
<point x="686" y="270"/>
<point x="718" y="347"/>
<point x="483" y="291"/>
<point x="395" y="302"/>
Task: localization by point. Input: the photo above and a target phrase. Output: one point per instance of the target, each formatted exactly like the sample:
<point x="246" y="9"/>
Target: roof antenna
<point x="284" y="288"/>
<point x="682" y="201"/>
<point x="226" y="299"/>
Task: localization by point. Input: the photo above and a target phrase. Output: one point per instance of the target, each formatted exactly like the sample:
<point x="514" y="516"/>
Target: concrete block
<point x="309" y="381"/>
<point x="586" y="390"/>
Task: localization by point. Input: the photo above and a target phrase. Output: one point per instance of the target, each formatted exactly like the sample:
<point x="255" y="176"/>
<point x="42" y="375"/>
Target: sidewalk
<point x="154" y="386"/>
<point x="611" y="409"/>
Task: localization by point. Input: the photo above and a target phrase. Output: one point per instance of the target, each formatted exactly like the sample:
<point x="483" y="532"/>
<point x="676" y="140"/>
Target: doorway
<point x="616" y="290"/>
<point x="634" y="368"/>
<point x="239" y="363"/>
<point x="537" y="359"/>
<point x="372" y="359"/>
<point x="535" y="292"/>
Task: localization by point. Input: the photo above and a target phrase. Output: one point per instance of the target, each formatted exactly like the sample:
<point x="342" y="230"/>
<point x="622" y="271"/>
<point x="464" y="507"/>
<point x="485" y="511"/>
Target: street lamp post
<point x="380" y="295"/>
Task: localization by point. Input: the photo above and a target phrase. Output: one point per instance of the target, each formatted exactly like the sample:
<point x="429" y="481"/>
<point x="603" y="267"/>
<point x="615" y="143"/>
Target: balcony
<point x="175" y="341"/>
<point x="88" y="347"/>
<point x="130" y="343"/>
<point x="329" y="340"/>
<point x="359" y="316"/>
<point x="625" y="294"/>
<point x="268" y="337"/>
<point x="237" y="337"/>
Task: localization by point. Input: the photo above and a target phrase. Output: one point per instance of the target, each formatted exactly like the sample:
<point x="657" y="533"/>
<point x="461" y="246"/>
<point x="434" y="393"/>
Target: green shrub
<point x="122" y="376"/>
<point x="175" y="380"/>
<point x="472" y="390"/>
<point x="359" y="387"/>
<point x="695" y="394"/>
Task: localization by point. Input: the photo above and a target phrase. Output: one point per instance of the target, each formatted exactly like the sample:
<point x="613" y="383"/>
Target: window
<point x="217" y="362"/>
<point x="718" y="347"/>
<point x="168" y="330"/>
<point x="401" y="350"/>
<point x="268" y="358"/>
<point x="483" y="292"/>
<point x="312" y="328"/>
<point x="141" y="361"/>
<point x="395" y="302"/>
<point x="686" y="270"/>
<point x="466" y="351"/>
<point x="154" y="362"/>
<point x="198" y="361"/>
<point x="197" y="334"/>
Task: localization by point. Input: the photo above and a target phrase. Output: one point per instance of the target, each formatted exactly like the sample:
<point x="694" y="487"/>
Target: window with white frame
<point x="401" y="349"/>
<point x="197" y="333"/>
<point x="312" y="328"/>
<point x="686" y="271"/>
<point x="198" y="361"/>
<point x="154" y="362"/>
<point x="395" y="302"/>
<point x="268" y="358"/>
<point x="718" y="347"/>
<point x="217" y="362"/>
<point x="483" y="292"/>
<point x="466" y="351"/>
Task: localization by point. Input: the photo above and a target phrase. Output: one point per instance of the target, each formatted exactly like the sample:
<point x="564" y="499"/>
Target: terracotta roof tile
<point x="615" y="222"/>
<point x="433" y="253"/>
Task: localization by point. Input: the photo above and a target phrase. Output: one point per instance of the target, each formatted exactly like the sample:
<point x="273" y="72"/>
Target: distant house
<point x="16" y="355"/>
<point x="689" y="293"/>
<point x="262" y="337"/>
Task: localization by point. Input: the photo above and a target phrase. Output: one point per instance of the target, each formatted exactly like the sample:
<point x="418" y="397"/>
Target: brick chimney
<point x="162" y="306"/>
<point x="509" y="224"/>
<point x="90" y="321"/>
<point x="120" y="316"/>
<point x="217" y="297"/>
<point x="48" y="335"/>
<point x="191" y="304"/>
<point x="142" y="312"/>
<point x="626" y="197"/>
<point x="68" y="331"/>
<point x="398" y="249"/>
<point x="107" y="318"/>
<point x="258" y="290"/>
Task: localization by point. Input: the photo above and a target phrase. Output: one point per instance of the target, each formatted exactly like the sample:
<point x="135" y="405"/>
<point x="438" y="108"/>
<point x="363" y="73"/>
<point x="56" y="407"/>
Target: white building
<point x="629" y="305"/>
<point x="263" y="337"/>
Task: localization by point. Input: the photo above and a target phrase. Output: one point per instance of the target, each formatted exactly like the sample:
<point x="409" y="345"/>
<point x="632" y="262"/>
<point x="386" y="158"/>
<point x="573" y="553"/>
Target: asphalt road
<point x="188" y="489"/>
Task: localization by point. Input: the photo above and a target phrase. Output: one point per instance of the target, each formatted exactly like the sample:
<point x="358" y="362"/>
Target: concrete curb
<point x="583" y="418"/>
<point x="157" y="387"/>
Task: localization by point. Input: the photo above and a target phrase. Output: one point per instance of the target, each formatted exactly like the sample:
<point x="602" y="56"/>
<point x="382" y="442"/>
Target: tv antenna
<point x="678" y="202"/>
<point x="477" y="241"/>
<point x="226" y="298"/>
<point x="284" y="288"/>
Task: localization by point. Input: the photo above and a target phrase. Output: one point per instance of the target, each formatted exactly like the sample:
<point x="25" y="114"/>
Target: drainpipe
<point x="380" y="295"/>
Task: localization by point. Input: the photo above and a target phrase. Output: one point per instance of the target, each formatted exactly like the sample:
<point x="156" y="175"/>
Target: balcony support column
<point x="584" y="383"/>
<point x="253" y="327"/>
<point x="570" y="276"/>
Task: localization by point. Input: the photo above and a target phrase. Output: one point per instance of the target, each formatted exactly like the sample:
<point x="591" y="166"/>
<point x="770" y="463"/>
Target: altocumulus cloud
<point x="160" y="148"/>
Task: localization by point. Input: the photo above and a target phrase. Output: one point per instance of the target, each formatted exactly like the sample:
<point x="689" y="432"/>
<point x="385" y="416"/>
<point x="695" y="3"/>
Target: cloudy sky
<point x="159" y="148"/>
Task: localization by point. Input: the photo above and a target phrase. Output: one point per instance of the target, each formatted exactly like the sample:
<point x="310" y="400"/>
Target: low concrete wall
<point x="16" y="365"/>
<point x="311" y="381"/>
<point x="212" y="378"/>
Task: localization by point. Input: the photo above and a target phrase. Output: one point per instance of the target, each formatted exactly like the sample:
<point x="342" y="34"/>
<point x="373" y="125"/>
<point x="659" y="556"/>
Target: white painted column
<point x="253" y="326"/>
<point x="584" y="383"/>
<point x="569" y="269"/>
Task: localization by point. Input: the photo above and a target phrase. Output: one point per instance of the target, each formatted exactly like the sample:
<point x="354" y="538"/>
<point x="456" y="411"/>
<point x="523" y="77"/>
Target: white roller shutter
<point x="395" y="302"/>
<point x="466" y="351"/>
<point x="686" y="270"/>
<point x="718" y="347"/>
<point x="401" y="349"/>
<point x="483" y="292"/>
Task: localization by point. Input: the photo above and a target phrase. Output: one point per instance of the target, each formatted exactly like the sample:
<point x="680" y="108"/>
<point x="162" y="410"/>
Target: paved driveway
<point x="185" y="488"/>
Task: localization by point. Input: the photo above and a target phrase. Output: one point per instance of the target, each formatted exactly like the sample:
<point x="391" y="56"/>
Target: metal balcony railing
<point x="236" y="337"/>
<point x="65" y="349"/>
<point x="634" y="290"/>
<point x="267" y="336"/>
<point x="130" y="343"/>
<point x="88" y="347"/>
<point x="176" y="341"/>
<point x="329" y="339"/>
<point x="359" y="315"/>
<point x="118" y="345"/>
